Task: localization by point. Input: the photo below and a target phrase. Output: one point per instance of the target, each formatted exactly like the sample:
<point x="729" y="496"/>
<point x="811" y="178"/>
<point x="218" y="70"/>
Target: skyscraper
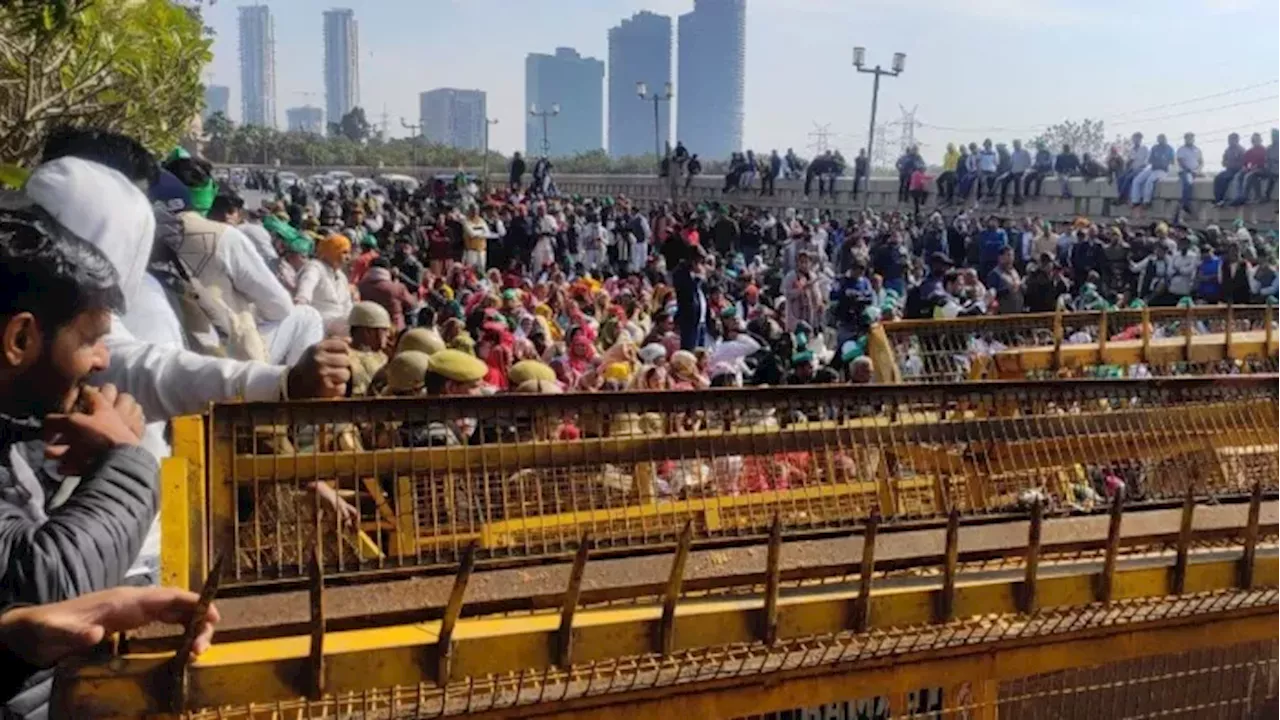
<point x="307" y="118"/>
<point x="341" y="63"/>
<point x="217" y="99"/>
<point x="639" y="50"/>
<point x="257" y="66"/>
<point x="574" y="83"/>
<point x="453" y="117"/>
<point x="712" y="76"/>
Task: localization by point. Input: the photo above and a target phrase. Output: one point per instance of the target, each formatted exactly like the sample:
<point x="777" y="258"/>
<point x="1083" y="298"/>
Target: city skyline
<point x="307" y="118"/>
<point x="453" y="117"/>
<point x="639" y="52"/>
<point x="257" y="66"/>
<point x="576" y="85"/>
<point x="217" y="99"/>
<point x="341" y="63"/>
<point x="787" y="91"/>
<point x="711" y="76"/>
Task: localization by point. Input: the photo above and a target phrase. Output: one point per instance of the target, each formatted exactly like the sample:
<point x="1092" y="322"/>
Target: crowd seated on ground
<point x="610" y="294"/>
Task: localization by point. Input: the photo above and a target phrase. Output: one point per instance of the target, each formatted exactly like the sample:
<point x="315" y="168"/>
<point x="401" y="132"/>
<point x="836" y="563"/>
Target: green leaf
<point x="13" y="177"/>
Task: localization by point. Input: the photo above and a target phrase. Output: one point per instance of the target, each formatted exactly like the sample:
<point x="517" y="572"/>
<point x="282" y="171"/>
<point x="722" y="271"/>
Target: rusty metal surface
<point x="429" y="478"/>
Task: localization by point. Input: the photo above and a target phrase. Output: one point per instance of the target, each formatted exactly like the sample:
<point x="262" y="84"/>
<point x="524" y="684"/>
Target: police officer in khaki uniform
<point x="454" y="372"/>
<point x="422" y="340"/>
<point x="529" y="370"/>
<point x="370" y="335"/>
<point x="407" y="372"/>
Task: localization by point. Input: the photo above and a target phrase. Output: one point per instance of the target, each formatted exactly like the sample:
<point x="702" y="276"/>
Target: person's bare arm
<point x="40" y="636"/>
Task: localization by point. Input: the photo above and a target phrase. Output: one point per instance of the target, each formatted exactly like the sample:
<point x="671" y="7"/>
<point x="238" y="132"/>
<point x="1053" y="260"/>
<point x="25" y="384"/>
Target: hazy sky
<point x="975" y="68"/>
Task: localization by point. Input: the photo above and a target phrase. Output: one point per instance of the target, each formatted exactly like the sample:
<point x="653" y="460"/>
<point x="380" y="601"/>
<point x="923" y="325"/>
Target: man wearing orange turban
<point x="323" y="284"/>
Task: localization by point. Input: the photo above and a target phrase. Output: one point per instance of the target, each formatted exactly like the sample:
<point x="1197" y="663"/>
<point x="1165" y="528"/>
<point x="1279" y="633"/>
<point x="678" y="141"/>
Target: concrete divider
<point x="1095" y="199"/>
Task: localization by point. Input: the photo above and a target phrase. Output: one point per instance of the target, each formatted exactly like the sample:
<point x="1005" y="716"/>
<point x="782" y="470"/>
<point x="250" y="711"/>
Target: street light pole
<point x="413" y="139"/>
<point x="487" y="123"/>
<point x="899" y="64"/>
<point x="642" y="90"/>
<point x="545" y="114"/>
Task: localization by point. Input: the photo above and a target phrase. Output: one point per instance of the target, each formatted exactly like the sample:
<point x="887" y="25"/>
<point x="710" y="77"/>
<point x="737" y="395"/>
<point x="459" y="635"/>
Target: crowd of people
<point x="1246" y="176"/>
<point x="1001" y="174"/>
<point x="136" y="290"/>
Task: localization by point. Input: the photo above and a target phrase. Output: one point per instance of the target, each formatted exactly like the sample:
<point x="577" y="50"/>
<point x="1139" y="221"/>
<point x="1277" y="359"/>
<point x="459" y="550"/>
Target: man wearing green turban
<point x="254" y="315"/>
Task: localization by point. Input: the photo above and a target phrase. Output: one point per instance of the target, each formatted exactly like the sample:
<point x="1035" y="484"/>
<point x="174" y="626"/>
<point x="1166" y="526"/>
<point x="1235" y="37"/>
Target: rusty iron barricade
<point x="1022" y="626"/>
<point x="420" y="480"/>
<point x="1198" y="340"/>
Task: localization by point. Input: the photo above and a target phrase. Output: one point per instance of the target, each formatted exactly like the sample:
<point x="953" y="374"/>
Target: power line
<point x="1189" y="101"/>
<point x="1123" y="116"/>
<point x="1202" y="111"/>
<point x="1249" y="124"/>
<point x="989" y="128"/>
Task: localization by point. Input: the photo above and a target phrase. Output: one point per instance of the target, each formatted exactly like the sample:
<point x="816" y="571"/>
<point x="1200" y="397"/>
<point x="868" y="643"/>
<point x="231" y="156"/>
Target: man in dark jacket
<point x="771" y="174"/>
<point x="724" y="234"/>
<point x="1066" y="165"/>
<point x="517" y="170"/>
<point x="692" y="170"/>
<point x="62" y="538"/>
<point x="691" y="300"/>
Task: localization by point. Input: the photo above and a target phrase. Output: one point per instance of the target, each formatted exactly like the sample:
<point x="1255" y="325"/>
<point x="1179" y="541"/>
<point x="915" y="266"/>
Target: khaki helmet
<point x="539" y="387"/>
<point x="420" y="340"/>
<point x="458" y="366"/>
<point x="527" y="370"/>
<point x="369" y="315"/>
<point x="406" y="372"/>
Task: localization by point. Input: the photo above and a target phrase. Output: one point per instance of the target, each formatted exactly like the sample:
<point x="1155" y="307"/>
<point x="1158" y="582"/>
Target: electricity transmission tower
<point x="821" y="135"/>
<point x="908" y="122"/>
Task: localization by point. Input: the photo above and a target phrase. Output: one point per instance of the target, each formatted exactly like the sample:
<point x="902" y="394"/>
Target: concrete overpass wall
<point x="1094" y="199"/>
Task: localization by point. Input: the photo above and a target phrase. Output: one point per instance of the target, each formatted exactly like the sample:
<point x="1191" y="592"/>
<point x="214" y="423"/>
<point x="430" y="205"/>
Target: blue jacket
<point x="990" y="243"/>
<point x="851" y="296"/>
<point x="1161" y="156"/>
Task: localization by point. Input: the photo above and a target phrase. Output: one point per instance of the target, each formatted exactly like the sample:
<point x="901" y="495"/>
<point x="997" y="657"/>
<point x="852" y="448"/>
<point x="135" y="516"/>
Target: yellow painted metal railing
<point x="760" y="642"/>
<point x="1200" y="340"/>
<point x="420" y="481"/>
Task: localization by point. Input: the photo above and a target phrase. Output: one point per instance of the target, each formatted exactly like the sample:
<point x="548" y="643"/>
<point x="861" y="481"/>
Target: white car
<point x="288" y="179"/>
<point x="405" y="181"/>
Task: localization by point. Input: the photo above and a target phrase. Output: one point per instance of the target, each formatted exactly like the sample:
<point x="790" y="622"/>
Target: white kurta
<point x="223" y="257"/>
<point x="328" y="291"/>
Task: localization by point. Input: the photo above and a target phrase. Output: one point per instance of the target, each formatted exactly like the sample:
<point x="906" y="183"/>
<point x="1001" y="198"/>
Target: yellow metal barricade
<point x="961" y="632"/>
<point x="421" y="481"/>
<point x="1199" y="340"/>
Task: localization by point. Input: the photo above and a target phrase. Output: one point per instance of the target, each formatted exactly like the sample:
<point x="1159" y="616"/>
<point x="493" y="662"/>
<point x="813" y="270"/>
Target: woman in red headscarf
<point x="439" y="245"/>
<point x="582" y="351"/>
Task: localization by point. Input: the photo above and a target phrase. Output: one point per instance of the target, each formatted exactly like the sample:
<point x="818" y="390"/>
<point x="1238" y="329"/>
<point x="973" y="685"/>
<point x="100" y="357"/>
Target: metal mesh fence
<point x="1232" y="681"/>
<point x="392" y="484"/>
<point x="1134" y="343"/>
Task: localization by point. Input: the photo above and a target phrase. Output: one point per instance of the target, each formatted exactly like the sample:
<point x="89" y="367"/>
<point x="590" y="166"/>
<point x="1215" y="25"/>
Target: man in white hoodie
<point x="90" y="184"/>
<point x="247" y="299"/>
<point x="101" y="205"/>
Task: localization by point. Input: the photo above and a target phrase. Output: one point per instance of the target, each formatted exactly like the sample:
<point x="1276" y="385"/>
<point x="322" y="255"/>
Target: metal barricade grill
<point x="1018" y="632"/>
<point x="1201" y="340"/>
<point x="425" y="479"/>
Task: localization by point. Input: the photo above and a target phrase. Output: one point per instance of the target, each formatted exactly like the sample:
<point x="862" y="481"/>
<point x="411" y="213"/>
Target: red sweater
<point x="378" y="286"/>
<point x="1255" y="157"/>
